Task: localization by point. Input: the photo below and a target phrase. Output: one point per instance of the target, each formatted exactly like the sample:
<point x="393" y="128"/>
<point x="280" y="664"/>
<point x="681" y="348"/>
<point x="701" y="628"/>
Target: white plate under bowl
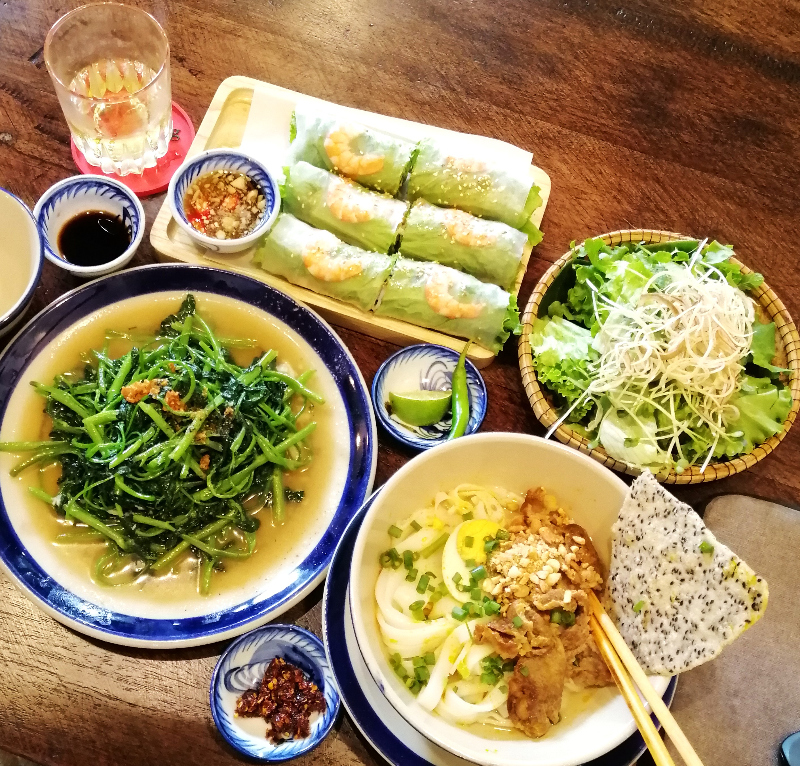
<point x="590" y="493"/>
<point x="121" y="615"/>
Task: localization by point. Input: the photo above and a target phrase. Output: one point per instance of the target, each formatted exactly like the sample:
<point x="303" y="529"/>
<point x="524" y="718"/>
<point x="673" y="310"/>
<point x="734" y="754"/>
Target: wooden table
<point x="645" y="114"/>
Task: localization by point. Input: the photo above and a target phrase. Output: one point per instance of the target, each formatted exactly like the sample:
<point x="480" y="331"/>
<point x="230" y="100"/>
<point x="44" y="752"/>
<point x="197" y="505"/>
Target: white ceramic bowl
<point x="20" y="259"/>
<point x="591" y="494"/>
<point x="236" y="162"/>
<point x="80" y="194"/>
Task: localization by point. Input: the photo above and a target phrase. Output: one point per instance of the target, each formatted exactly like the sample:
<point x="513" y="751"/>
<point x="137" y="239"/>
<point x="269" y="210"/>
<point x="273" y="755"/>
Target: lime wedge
<point x="420" y="408"/>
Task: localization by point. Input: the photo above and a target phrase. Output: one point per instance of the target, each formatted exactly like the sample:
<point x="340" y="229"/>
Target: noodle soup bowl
<point x="595" y="720"/>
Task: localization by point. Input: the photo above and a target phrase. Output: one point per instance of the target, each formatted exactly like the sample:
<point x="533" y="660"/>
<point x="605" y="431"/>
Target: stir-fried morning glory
<point x="658" y="354"/>
<point x="171" y="448"/>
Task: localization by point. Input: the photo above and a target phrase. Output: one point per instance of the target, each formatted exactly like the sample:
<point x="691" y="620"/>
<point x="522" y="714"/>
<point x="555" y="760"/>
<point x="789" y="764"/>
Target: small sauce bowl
<point x="242" y="667"/>
<point x="21" y="259"/>
<point x="82" y="194"/>
<point x="425" y="366"/>
<point x="232" y="161"/>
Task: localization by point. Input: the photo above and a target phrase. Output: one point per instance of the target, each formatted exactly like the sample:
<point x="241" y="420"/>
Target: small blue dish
<point x="232" y="161"/>
<point x="242" y="667"/>
<point x="81" y="194"/>
<point x="426" y="367"/>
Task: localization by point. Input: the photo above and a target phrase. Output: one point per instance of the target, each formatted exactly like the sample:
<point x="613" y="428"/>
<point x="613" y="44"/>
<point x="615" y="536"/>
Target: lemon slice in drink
<point x="420" y="408"/>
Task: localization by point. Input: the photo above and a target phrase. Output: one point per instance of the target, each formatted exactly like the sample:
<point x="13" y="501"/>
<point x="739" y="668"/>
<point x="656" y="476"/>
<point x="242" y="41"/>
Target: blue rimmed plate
<point x="427" y="367"/>
<point x="242" y="667"/>
<point x="383" y="727"/>
<point x="125" y="616"/>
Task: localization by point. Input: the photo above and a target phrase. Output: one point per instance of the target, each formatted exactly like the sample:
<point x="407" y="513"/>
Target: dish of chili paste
<point x="285" y="699"/>
<point x="273" y="695"/>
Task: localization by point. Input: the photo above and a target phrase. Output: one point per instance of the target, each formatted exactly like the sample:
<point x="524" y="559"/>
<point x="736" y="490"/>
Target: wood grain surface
<point x="645" y="113"/>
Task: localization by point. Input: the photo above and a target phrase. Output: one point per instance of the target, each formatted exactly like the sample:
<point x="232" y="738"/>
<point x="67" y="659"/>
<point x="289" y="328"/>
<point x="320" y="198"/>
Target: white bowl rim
<point x="222" y="245"/>
<point x="104" y="268"/>
<point x="7" y="318"/>
<point x="374" y="665"/>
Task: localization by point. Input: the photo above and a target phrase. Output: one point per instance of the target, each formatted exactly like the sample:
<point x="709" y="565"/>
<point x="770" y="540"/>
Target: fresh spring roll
<point x="360" y="217"/>
<point x="489" y="250"/>
<point x="441" y="298"/>
<point x="481" y="186"/>
<point x="321" y="262"/>
<point x="371" y="157"/>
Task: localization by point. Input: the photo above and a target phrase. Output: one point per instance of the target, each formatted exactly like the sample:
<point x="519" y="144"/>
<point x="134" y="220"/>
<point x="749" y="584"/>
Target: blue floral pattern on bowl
<point x="242" y="667"/>
<point x="427" y="367"/>
<point x="234" y="162"/>
<point x="81" y="194"/>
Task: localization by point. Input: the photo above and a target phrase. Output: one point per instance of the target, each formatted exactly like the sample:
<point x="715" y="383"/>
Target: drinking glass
<point x="110" y="67"/>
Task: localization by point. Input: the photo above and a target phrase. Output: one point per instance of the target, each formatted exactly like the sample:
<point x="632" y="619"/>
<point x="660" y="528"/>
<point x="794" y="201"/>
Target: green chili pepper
<point x="460" y="405"/>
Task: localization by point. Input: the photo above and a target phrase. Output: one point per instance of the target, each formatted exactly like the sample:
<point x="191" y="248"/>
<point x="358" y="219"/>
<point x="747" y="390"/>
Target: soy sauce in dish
<point x="93" y="238"/>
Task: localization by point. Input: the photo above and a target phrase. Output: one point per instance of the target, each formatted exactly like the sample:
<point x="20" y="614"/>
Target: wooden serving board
<point x="226" y="125"/>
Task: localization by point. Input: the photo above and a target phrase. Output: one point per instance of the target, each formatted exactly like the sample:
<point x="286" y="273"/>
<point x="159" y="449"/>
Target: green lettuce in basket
<point x="657" y="354"/>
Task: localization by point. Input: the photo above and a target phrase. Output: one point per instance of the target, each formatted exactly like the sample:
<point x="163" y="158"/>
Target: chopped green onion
<point x="430" y="658"/>
<point x="416" y="525"/>
<point x="459" y="613"/>
<point x="524" y="670"/>
<point x="471" y="563"/>
<point x="422" y="673"/>
<point x="395" y="531"/>
<point x="412" y="575"/>
<point x="422" y="585"/>
<point x="468" y="541"/>
<point x="439" y="542"/>
<point x="517" y="621"/>
<point x="408" y="559"/>
<point x="502" y="534"/>
<point x="467" y="517"/>
<point x="638" y="606"/>
<point x="491" y="607"/>
<point x="479" y="573"/>
<point x="416" y="606"/>
<point x="490" y="545"/>
<point x="456" y="578"/>
<point x="706" y="547"/>
<point x="475" y="594"/>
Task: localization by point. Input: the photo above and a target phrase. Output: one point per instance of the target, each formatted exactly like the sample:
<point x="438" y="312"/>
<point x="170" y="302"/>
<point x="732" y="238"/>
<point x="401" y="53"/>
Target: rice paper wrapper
<point x="489" y="250"/>
<point x="371" y="157"/>
<point x="358" y="216"/>
<point x="321" y="262"/>
<point x="441" y="298"/>
<point x="469" y="179"/>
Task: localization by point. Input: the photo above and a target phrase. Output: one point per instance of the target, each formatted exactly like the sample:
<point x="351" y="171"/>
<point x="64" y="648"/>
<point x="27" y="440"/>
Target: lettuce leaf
<point x="762" y="348"/>
<point x="763" y="408"/>
<point x="561" y="355"/>
<point x="511" y="324"/>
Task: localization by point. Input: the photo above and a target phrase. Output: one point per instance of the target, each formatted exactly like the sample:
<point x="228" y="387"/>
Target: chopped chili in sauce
<point x="224" y="205"/>
<point x="285" y="699"/>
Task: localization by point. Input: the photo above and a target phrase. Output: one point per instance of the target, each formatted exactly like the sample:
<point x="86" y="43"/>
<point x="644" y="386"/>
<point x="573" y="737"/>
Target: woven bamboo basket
<point x="787" y="343"/>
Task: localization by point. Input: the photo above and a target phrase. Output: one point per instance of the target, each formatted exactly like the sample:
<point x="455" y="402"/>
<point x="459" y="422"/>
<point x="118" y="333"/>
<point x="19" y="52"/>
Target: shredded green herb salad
<point x="658" y="355"/>
<point x="172" y="447"/>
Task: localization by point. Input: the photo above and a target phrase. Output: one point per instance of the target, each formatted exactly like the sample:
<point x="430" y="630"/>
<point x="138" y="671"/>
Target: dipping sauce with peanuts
<point x="224" y="205"/>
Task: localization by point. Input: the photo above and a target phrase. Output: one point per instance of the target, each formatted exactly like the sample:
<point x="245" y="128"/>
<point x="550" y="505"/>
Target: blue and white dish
<point x="121" y="616"/>
<point x="81" y="194"/>
<point x="242" y="667"/>
<point x="233" y="161"/>
<point x="21" y="258"/>
<point x="427" y="367"/>
<point x="382" y="726"/>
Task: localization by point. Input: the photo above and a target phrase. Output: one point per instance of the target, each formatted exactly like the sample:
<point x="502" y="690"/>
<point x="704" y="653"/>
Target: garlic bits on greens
<point x="659" y="355"/>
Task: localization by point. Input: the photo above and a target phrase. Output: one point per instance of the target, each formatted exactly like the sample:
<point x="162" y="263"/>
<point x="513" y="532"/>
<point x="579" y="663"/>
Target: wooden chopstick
<point x="606" y="626"/>
<point x="626" y="686"/>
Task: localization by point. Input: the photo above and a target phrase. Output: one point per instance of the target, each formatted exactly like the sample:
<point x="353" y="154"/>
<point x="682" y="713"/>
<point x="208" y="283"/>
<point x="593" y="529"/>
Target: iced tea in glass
<point x="110" y="66"/>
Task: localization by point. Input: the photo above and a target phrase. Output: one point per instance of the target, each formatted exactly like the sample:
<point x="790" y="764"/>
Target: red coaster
<point x="152" y="180"/>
